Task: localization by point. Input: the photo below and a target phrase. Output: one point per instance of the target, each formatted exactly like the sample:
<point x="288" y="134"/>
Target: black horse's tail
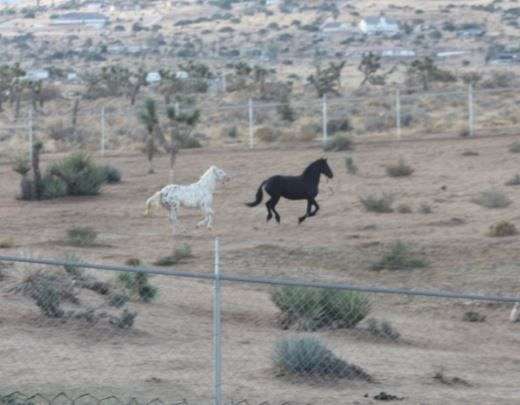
<point x="259" y="195"/>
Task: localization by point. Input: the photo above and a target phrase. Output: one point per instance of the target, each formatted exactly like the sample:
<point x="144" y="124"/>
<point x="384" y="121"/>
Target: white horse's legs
<point x="208" y="217"/>
<point x="174" y="220"/>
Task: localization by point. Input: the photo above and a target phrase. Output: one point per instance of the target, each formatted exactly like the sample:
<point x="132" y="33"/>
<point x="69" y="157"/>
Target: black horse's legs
<point x="316" y="206"/>
<point x="274" y="201"/>
<point x="269" y="213"/>
<point x="308" y="213"/>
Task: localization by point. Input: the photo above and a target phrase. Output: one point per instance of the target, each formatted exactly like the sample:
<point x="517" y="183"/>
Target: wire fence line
<point x="394" y="115"/>
<point x="216" y="336"/>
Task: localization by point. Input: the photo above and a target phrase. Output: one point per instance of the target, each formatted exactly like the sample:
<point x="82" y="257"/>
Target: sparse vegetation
<point x="382" y="329"/>
<point x="425" y="208"/>
<point x="350" y="165"/>
<point x="492" y="199"/>
<point x="81" y="236"/>
<point x="399" y="257"/>
<point x="399" y="169"/>
<point x="338" y="143"/>
<point x="180" y="253"/>
<point x="111" y="174"/>
<point x="472" y="316"/>
<point x="381" y="204"/>
<point x="404" y="209"/>
<point x="502" y="229"/>
<point x="138" y="286"/>
<point x="514" y="181"/>
<point x="515" y="147"/>
<point x="312" y="308"/>
<point x="308" y="357"/>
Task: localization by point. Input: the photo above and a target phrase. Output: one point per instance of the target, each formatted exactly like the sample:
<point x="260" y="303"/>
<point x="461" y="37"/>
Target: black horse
<point x="302" y="187"/>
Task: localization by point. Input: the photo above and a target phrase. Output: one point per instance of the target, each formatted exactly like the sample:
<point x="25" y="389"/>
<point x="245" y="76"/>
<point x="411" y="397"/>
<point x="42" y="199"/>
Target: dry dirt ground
<point x="168" y="352"/>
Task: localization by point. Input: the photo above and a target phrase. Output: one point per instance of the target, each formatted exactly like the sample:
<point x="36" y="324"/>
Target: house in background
<point x="334" y="27"/>
<point x="153" y="78"/>
<point x="95" y="20"/>
<point x="380" y="25"/>
<point x="35" y="75"/>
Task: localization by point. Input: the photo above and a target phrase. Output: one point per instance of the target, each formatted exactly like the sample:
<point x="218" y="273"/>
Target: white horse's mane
<point x="195" y="195"/>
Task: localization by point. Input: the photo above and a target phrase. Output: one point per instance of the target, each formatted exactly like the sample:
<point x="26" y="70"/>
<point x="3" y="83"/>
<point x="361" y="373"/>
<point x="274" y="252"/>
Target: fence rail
<point x="237" y="322"/>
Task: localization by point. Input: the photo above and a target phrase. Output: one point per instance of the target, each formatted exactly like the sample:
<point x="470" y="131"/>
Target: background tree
<point x="327" y="80"/>
<point x="369" y="65"/>
<point x="9" y="79"/>
<point x="424" y="72"/>
<point x="149" y="118"/>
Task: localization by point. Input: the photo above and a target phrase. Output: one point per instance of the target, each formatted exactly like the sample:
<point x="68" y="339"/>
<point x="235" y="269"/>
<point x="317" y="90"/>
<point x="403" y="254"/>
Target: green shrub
<point x="81" y="236"/>
<point x="47" y="298"/>
<point x="188" y="141"/>
<point x="267" y="134"/>
<point x="338" y="143"/>
<point x="53" y="187"/>
<point x="118" y="300"/>
<point x="515" y="181"/>
<point x="400" y="169"/>
<point x="71" y="268"/>
<point x="308" y="357"/>
<point x="79" y="173"/>
<point x="404" y="209"/>
<point x="492" y="199"/>
<point x="125" y="320"/>
<point x="503" y="228"/>
<point x="472" y="316"/>
<point x="338" y="125"/>
<point x="399" y="257"/>
<point x="381" y="204"/>
<point x="180" y="253"/>
<point x="514" y="147"/>
<point x="112" y="175"/>
<point x="425" y="209"/>
<point x="314" y="308"/>
<point x="382" y="329"/>
<point x="138" y="286"/>
<point x="350" y="165"/>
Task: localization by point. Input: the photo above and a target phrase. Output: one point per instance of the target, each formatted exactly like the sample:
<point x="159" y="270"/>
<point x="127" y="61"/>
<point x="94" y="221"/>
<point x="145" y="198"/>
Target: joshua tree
<point x="149" y="118"/>
<point x="327" y="80"/>
<point x="424" y="71"/>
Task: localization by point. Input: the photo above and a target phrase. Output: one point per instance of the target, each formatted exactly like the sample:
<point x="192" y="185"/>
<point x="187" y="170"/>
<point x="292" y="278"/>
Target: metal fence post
<point x="471" y="112"/>
<point x="217" y="353"/>
<point x="103" y="133"/>
<point x="324" y="118"/>
<point x="251" y="123"/>
<point x="31" y="135"/>
<point x="398" y="113"/>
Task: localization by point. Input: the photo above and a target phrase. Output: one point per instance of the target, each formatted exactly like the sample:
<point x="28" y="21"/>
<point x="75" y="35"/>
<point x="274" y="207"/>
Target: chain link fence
<point x="121" y="333"/>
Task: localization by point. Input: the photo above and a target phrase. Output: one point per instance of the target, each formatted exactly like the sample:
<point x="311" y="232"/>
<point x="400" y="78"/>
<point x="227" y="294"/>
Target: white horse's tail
<point x="154" y="200"/>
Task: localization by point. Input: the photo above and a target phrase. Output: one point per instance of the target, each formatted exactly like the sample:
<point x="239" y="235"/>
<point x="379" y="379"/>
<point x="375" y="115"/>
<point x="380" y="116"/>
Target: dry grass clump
<point x="502" y="229"/>
<point x="399" y="169"/>
<point x="492" y="199"/>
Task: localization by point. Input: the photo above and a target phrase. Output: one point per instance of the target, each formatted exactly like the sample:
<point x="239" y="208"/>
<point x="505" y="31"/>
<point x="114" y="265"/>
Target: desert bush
<point x="314" y="308"/>
<point x="338" y="125"/>
<point x="188" y="141"/>
<point x="492" y="199"/>
<point x="470" y="153"/>
<point x="231" y="132"/>
<point x="514" y="181"/>
<point x="81" y="236"/>
<point x="118" y="300"/>
<point x="338" y="143"/>
<point x="47" y="298"/>
<point x="111" y="174"/>
<point x="378" y="203"/>
<point x="181" y="252"/>
<point x="79" y="173"/>
<point x="399" y="169"/>
<point x="59" y="132"/>
<point x="125" y="320"/>
<point x="267" y="134"/>
<point x="53" y="187"/>
<point x="133" y="261"/>
<point x="308" y="357"/>
<point x="472" y="316"/>
<point x="350" y="165"/>
<point x="379" y="123"/>
<point x="399" y="257"/>
<point x="514" y="147"/>
<point x="310" y="131"/>
<point x="382" y="329"/>
<point x="138" y="286"/>
<point x="502" y="228"/>
<point x="404" y="209"/>
<point x="6" y="243"/>
<point x="71" y="268"/>
<point x="425" y="208"/>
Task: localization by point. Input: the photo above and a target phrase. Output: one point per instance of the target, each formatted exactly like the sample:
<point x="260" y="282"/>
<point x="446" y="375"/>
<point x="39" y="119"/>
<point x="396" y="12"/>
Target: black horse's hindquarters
<point x="303" y="187"/>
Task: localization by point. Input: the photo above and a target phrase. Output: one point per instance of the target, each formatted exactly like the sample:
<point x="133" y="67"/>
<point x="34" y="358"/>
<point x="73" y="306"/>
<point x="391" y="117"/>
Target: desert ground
<point x="168" y="352"/>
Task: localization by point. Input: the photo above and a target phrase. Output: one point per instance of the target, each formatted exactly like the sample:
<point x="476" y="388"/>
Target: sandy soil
<point x="168" y="353"/>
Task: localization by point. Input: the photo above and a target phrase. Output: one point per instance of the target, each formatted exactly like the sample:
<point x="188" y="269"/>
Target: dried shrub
<point x="502" y="229"/>
<point x="378" y="203"/>
<point x="399" y="257"/>
<point x="492" y="199"/>
<point x="81" y="236"/>
<point x="399" y="169"/>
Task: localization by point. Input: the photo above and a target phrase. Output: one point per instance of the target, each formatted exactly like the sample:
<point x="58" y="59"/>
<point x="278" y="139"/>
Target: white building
<point x="36" y="74"/>
<point x="379" y="25"/>
<point x="153" y="77"/>
<point x="331" y="27"/>
<point x="95" y="20"/>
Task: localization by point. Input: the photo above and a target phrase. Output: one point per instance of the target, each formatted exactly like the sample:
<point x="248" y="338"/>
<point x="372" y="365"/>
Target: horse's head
<point x="325" y="168"/>
<point x="219" y="174"/>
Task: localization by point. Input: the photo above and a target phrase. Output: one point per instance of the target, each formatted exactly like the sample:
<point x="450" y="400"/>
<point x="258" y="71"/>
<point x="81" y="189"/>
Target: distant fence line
<point x="391" y="110"/>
